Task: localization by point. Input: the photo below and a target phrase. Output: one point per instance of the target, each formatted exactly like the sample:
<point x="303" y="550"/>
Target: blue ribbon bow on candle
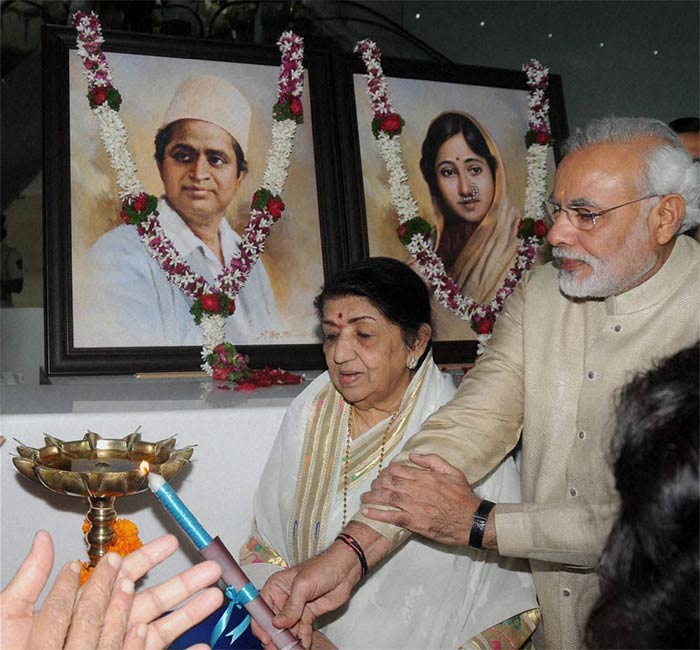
<point x="237" y="599"/>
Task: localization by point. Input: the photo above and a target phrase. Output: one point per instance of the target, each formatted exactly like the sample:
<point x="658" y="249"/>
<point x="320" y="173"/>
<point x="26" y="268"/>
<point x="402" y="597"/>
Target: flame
<point x="144" y="467"/>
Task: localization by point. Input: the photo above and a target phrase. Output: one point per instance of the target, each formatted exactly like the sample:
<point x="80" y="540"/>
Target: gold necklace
<point x="346" y="458"/>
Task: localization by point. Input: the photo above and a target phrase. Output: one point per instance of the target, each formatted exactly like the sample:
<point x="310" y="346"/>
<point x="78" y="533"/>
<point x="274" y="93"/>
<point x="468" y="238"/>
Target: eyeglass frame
<point x="593" y="216"/>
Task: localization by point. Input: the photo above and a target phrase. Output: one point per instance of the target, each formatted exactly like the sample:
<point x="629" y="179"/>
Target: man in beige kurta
<point x="560" y="390"/>
<point x="623" y="291"/>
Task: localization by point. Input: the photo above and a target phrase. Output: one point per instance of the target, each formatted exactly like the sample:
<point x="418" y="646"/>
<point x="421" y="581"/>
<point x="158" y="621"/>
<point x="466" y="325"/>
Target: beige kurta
<point x="552" y="370"/>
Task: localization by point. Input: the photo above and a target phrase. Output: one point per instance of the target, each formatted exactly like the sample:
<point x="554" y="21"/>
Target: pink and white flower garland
<point x="212" y="304"/>
<point x="414" y="231"/>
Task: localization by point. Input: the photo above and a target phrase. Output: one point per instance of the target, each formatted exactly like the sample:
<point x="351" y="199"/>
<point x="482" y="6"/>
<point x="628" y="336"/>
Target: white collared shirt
<point x="125" y="298"/>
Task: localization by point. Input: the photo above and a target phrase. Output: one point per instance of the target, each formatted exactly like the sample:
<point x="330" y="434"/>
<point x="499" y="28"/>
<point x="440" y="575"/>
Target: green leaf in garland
<point x="152" y="204"/>
<point x="114" y="99"/>
<point x="197" y="311"/>
<point x="415" y="226"/>
<point x="526" y="228"/>
<point x="261" y="198"/>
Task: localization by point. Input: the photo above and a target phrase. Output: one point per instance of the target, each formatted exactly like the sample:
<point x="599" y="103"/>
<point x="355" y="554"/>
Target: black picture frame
<point x="348" y="68"/>
<point x="63" y="356"/>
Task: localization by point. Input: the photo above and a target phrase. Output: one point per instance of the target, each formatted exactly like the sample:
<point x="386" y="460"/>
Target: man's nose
<point x="562" y="232"/>
<point x="200" y="167"/>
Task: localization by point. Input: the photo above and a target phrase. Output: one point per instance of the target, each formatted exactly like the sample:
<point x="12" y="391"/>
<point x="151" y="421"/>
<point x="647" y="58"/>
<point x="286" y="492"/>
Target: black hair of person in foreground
<point x="649" y="568"/>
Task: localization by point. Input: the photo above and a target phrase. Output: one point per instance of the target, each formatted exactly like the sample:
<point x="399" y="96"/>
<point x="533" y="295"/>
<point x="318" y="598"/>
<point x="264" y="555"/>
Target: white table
<point x="233" y="433"/>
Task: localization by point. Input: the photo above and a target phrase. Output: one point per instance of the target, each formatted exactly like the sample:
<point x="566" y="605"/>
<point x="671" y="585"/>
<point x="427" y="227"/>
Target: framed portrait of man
<point x="464" y="151"/>
<point x="198" y="116"/>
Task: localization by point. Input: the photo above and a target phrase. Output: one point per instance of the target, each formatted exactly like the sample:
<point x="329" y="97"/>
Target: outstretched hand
<point x="150" y="604"/>
<point x="433" y="499"/>
<point x="106" y="613"/>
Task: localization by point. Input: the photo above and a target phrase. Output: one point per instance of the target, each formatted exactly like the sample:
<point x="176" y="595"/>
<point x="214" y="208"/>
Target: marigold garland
<point x="126" y="540"/>
<point x="212" y="303"/>
<point x="414" y="231"/>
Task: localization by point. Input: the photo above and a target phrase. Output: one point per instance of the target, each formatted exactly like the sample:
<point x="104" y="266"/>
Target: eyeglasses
<point x="583" y="218"/>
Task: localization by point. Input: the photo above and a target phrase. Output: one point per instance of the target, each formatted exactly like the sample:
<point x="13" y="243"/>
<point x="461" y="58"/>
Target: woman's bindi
<point x="340" y="320"/>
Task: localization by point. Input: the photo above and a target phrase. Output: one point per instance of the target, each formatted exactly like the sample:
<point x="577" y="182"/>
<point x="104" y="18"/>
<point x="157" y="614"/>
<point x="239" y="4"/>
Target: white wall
<point x="21" y="345"/>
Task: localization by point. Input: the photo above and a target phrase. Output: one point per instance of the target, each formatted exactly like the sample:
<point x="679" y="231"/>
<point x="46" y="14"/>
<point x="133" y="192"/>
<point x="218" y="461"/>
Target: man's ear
<point x="668" y="216"/>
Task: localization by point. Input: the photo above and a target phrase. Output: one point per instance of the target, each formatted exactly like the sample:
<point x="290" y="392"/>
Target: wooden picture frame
<point x="496" y="101"/>
<point x="81" y="200"/>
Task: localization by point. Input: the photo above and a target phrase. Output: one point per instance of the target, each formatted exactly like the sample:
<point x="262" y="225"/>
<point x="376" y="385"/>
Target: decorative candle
<point x="174" y="505"/>
<point x="214" y="549"/>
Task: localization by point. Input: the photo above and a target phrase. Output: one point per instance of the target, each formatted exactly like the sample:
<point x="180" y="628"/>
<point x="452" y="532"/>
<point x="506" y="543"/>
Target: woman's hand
<point x="434" y="499"/>
<point x="302" y="593"/>
<point x="106" y="613"/>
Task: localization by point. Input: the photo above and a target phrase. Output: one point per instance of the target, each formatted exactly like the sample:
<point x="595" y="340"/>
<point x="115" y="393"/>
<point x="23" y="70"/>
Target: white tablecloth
<point x="233" y="433"/>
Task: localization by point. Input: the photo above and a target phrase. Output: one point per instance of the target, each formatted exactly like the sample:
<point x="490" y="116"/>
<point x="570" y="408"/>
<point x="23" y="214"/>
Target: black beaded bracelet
<point x="350" y="541"/>
<point x="481" y="516"/>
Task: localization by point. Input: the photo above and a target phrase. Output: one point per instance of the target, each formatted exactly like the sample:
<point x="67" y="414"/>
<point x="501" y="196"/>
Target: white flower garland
<point x="212" y="304"/>
<point x="414" y="231"/>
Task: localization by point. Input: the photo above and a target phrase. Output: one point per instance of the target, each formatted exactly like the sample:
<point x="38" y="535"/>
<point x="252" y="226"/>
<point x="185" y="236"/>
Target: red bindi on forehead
<point x="340" y="319"/>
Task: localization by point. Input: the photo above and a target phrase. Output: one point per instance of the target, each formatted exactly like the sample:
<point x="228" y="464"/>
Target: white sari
<point x="425" y="595"/>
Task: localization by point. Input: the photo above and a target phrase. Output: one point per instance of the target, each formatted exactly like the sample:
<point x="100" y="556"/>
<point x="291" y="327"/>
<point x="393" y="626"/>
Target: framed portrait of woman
<point x="109" y="310"/>
<point x="464" y="151"/>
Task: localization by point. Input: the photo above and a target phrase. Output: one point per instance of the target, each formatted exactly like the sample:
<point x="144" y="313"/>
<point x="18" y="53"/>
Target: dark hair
<point x="165" y="135"/>
<point x="649" y="568"/>
<point x="391" y="286"/>
<point x="685" y="125"/>
<point x="441" y="129"/>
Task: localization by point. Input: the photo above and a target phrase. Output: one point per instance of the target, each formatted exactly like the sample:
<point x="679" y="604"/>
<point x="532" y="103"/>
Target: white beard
<point x="612" y="276"/>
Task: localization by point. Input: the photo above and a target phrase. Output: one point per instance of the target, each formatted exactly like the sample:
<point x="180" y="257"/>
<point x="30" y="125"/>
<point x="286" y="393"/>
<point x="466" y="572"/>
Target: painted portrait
<point x="206" y="101"/>
<point x="465" y="156"/>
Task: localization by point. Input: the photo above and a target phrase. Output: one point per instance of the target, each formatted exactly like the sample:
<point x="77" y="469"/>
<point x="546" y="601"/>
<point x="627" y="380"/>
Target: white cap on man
<point x="211" y="99"/>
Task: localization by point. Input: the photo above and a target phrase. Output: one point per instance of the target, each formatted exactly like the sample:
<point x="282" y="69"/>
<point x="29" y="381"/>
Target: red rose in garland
<point x="295" y="107"/>
<point x="220" y="374"/>
<point x="211" y="303"/>
<point x="391" y="123"/>
<point x="540" y="228"/>
<point x="99" y="95"/>
<point x="275" y="207"/>
<point x="485" y="325"/>
<point x="141" y="202"/>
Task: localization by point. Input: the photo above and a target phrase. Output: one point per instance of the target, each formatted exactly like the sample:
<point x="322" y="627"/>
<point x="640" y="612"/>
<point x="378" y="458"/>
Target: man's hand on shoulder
<point x="434" y="499"/>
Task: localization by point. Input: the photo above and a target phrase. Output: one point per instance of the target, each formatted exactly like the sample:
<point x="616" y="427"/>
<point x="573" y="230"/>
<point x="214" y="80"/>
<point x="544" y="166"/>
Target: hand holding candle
<point x="214" y="549"/>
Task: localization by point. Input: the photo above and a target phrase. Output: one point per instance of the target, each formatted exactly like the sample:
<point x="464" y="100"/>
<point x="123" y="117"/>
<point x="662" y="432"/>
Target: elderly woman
<point x="380" y="386"/>
<point x="476" y="224"/>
